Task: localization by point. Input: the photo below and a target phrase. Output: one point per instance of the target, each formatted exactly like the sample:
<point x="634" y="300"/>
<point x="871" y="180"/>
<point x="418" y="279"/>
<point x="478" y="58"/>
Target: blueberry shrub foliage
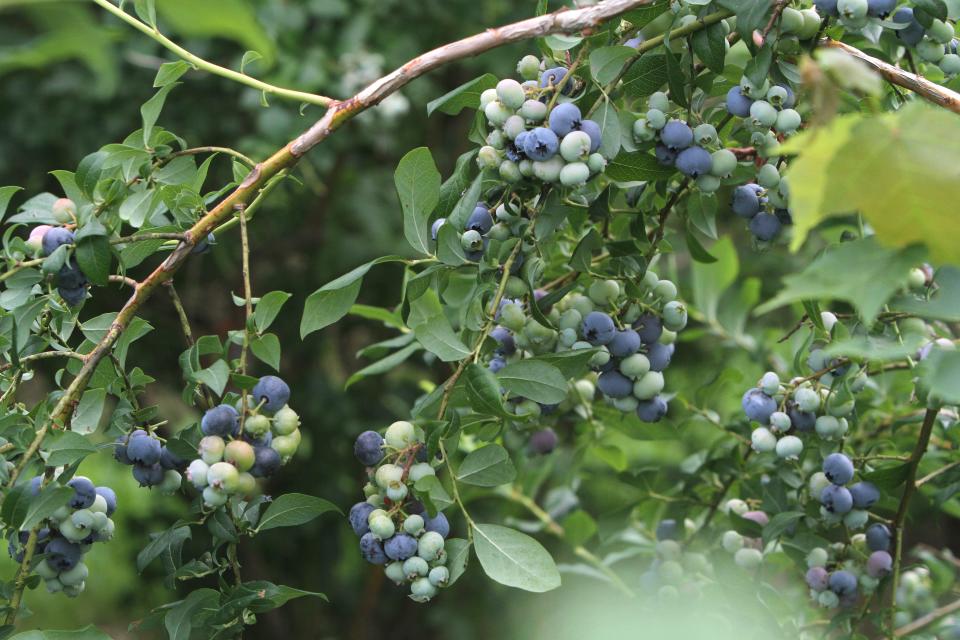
<point x="580" y="244"/>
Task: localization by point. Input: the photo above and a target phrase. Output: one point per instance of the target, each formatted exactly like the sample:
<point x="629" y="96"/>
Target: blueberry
<point x="676" y="135"/>
<point x="438" y="524"/>
<point x="758" y="406"/>
<point x="659" y="356"/>
<point x="614" y="384"/>
<point x="836" y="499"/>
<point x="222" y="420"/>
<point x="372" y="550"/>
<point x="496" y="364"/>
<point x="827" y="7"/>
<point x="694" y="162"/>
<point x="913" y="32"/>
<point x="435" y="227"/>
<point x="649" y="327"/>
<point x="865" y="495"/>
<point x="148" y="475"/>
<point x="565" y="118"/>
<point x="120" y="451"/>
<point x="760" y="517"/>
<point x="70" y="276"/>
<point x="625" y="343"/>
<point x="541" y="144"/>
<point x="878" y="537"/>
<point x="879" y="564"/>
<point x="273" y="392"/>
<point x="480" y="220"/>
<point x="592" y="129"/>
<point x="35" y="483"/>
<point x="553" y="77"/>
<point x="266" y="462"/>
<point x="843" y="583"/>
<point x="737" y="103"/>
<point x="110" y="497"/>
<point x="55" y="237"/>
<point x="204" y="245"/>
<point x="765" y="226"/>
<point x="359" y="514"/>
<point x="171" y="461"/>
<point x="368" y="448"/>
<point x="652" y="410"/>
<point x="817" y="578"/>
<point x="838" y="468"/>
<point x="667" y="530"/>
<point x="63" y="555"/>
<point x="665" y="156"/>
<point x="73" y="297"/>
<point x="543" y="441"/>
<point x="598" y="328"/>
<point x="634" y="42"/>
<point x="400" y="546"/>
<point x="507" y="346"/>
<point x="746" y="200"/>
<point x="513" y="150"/>
<point x="143" y="449"/>
<point x="84" y="493"/>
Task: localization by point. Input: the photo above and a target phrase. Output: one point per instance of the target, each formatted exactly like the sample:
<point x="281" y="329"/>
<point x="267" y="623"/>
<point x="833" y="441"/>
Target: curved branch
<point x="935" y="93"/>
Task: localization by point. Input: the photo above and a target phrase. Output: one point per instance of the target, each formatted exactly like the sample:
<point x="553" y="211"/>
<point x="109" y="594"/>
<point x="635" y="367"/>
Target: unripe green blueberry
<point x="856" y="519"/>
<point x="497" y="113"/>
<point x="421" y="470"/>
<point x="471" y="240"/>
<point x="64" y="210"/>
<point x="61" y="513"/>
<point x="665" y="290"/>
<point x="762" y="440"/>
<point x="74" y="576"/>
<point x="748" y="558"/>
<point x="575" y="146"/>
<point x="529" y="67"/>
<point x="497" y="139"/>
<point x="82" y="519"/>
<point x="768" y="177"/>
<point x="510" y="93"/>
<point x="169" y="485"/>
<point x="658" y="100"/>
<point x="656" y="119"/>
<point x="596" y="163"/>
<point x="779" y="421"/>
<point x="533" y="111"/>
<point x="256" y="425"/>
<point x="732" y="541"/>
<point x="817" y="557"/>
<point x="246" y="484"/>
<point x="567" y="337"/>
<point x="627" y="404"/>
<point x="668" y="549"/>
<point x="213" y="497"/>
<point x="415" y="567"/>
<point x="574" y="174"/>
<point x="940" y="31"/>
<point x="950" y="64"/>
<point x="513" y="317"/>
<point x="600" y="358"/>
<point x="395" y="572"/>
<point x="604" y="292"/>
<point x="852" y="9"/>
<point x="549" y="170"/>
<point x="670" y="572"/>
<point x="286" y="446"/>
<point x="223" y="476"/>
<point x="570" y="319"/>
<point x="197" y="473"/>
<point x="642" y="132"/>
<point x="648" y="385"/>
<point x="400" y="435"/>
<point x="105" y="533"/>
<point x="736" y="505"/>
<point x="397" y="491"/>
<point x="791" y="21"/>
<point x="488" y="157"/>
<point x="430" y="545"/>
<point x="211" y="449"/>
<point x="285" y="421"/>
<point x="917" y="279"/>
<point x="635" y="366"/>
<point x="705" y="134"/>
<point x="100" y="517"/>
<point x="582" y="303"/>
<point x="807" y="399"/>
<point x="811" y="24"/>
<point x="777" y="95"/>
<point x="817" y="483"/>
<point x="439" y="576"/>
<point x="488" y="96"/>
<point x="827" y="427"/>
<point x="510" y="171"/>
<point x="723" y="163"/>
<point x="828" y="599"/>
<point x="514" y="126"/>
<point x="674" y="315"/>
<point x="413" y="524"/>
<point x="240" y="454"/>
<point x="789" y="447"/>
<point x="585" y="390"/>
<point x="515" y="287"/>
<point x="770" y="383"/>
<point x="45" y="571"/>
<point x="931" y="50"/>
<point x="388" y="473"/>
<point x="72" y="532"/>
<point x="668" y="337"/>
<point x="762" y="114"/>
<point x="788" y="121"/>
<point x="422" y="589"/>
<point x="382" y="527"/>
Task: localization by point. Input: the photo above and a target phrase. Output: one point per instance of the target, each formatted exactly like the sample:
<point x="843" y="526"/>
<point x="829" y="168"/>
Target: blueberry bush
<point x="758" y="193"/>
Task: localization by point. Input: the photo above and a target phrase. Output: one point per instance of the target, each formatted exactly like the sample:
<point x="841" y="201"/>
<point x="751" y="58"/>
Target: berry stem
<point x="20" y="266"/>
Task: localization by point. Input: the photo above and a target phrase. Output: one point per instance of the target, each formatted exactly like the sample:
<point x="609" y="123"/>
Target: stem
<point x="922" y="621"/>
<point x="656" y="235"/>
<point x="20" y="266"/>
<point x="201" y="150"/>
<point x="234" y="563"/>
<point x="139" y="237"/>
<point x="248" y="308"/>
<point x="556" y="529"/>
<point x="44" y="355"/>
<point x="910" y="487"/>
<point x="215" y="69"/>
<point x="198" y="389"/>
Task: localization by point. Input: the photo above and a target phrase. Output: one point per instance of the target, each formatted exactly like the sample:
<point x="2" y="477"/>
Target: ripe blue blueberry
<point x="838" y="468"/>
<point x="266" y="462"/>
<point x="204" y="245"/>
<point x="480" y="220"/>
<point x="543" y="441"/>
<point x="652" y="410"/>
<point x="912" y="34"/>
<point x="506" y="344"/>
<point x="865" y="495"/>
<point x="598" y="328"/>
<point x="368" y="448"/>
<point x="63" y="555"/>
<point x="592" y="129"/>
<point x="649" y="327"/>
<point x="143" y="449"/>
<point x="802" y="421"/>
<point x="659" y="355"/>
<point x="737" y="103"/>
<point x="110" y="497"/>
<point x="540" y="144"/>
<point x="694" y="162"/>
<point x="371" y="550"/>
<point x="72" y="297"/>
<point x="676" y="135"/>
<point x="827" y="7"/>
<point x="614" y="384"/>
<point x="70" y="276"/>
<point x="817" y="578"/>
<point x="758" y="406"/>
<point x="625" y="343"/>
<point x="746" y="200"/>
<point x="84" y="493"/>
<point x="400" y="546"/>
<point x="836" y="499"/>
<point x="435" y="227"/>
<point x="496" y="364"/>
<point x="35" y="483"/>
<point x="222" y="420"/>
<point x="843" y="583"/>
<point x="437" y="524"/>
<point x="171" y="461"/>
<point x="665" y="155"/>
<point x="273" y="392"/>
<point x="765" y="226"/>
<point x="55" y="237"/>
<point x="553" y="77"/>
<point x="879" y="564"/>
<point x="565" y="118"/>
<point x="878" y="537"/>
<point x="148" y="475"/>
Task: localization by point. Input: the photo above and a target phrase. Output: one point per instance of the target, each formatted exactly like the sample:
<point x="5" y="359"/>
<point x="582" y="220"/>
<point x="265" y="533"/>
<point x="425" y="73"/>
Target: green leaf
<point x="267" y="349"/>
<point x="259" y="596"/>
<point x="488" y="466"/>
<point x="535" y="380"/>
<point x="50" y="499"/>
<point x="606" y="62"/>
<point x="170" y="72"/>
<point x="572" y="363"/>
<point x="483" y="391"/>
<point x="93" y="256"/>
<point x="779" y="523"/>
<point x="940" y="375"/>
<point x="579" y="527"/>
<point x="697" y="251"/>
<point x="151" y="109"/>
<point x="676" y="78"/>
<point x="860" y="272"/>
<point x="68" y="447"/>
<point x="6" y="193"/>
<point x="751" y="14"/>
<point x="418" y="186"/>
<point x="889" y="478"/>
<point x="610" y="134"/>
<point x="267" y="309"/>
<point x="248" y="57"/>
<point x="215" y="376"/>
<point x="179" y="619"/>
<point x="384" y="365"/>
<point x="913" y="192"/>
<point x="294" y="509"/>
<point x="162" y="543"/>
<point x="874" y="348"/>
<point x="645" y="76"/>
<point x="333" y="300"/>
<point x="466" y="95"/>
<point x="433" y="330"/>
<point x="710" y="45"/>
<point x="449" y="249"/>
<point x="643" y="16"/>
<point x="88" y="632"/>
<point x="86" y="417"/>
<point x="88" y="172"/>
<point x="562" y="42"/>
<point x="458" y="554"/>
<point x="711" y="280"/>
<point x="235" y="20"/>
<point x="514" y="559"/>
<point x="634" y="166"/>
<point x="433" y="493"/>
<point x="15" y="505"/>
<point x="944" y="300"/>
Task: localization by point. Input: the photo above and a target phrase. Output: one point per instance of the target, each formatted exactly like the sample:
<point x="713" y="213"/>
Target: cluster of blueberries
<point x="747" y="551"/>
<point x="853" y="575"/>
<point x="481" y="228"/>
<point x="69" y="533"/>
<point x="231" y="457"/>
<point x="536" y="133"/>
<point x="675" y="570"/>
<point x="395" y="529"/>
<point x="45" y="238"/>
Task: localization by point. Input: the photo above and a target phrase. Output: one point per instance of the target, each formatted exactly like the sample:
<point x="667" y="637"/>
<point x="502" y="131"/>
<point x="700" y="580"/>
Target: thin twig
<point x="923" y="621"/>
<point x="202" y="150"/>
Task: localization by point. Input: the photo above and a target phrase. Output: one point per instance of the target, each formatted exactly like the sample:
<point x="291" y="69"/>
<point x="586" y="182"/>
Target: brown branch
<point x="946" y="98"/>
<point x="778" y="8"/>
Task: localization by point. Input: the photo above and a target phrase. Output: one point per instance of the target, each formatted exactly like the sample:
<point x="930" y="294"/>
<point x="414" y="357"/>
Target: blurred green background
<point x="73" y="79"/>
